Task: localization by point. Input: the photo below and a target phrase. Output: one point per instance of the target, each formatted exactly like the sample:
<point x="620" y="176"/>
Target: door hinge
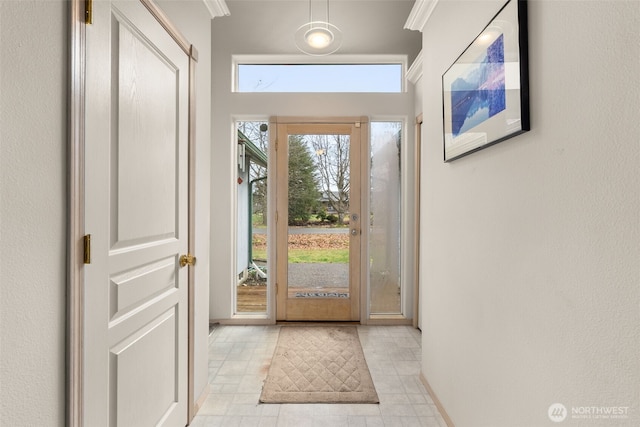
<point x="357" y="124"/>
<point x="276" y="217"/>
<point x="87" y="249"/>
<point x="88" y="12"/>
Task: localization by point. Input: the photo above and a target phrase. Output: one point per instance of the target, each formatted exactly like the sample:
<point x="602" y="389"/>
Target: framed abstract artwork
<point x="485" y="93"/>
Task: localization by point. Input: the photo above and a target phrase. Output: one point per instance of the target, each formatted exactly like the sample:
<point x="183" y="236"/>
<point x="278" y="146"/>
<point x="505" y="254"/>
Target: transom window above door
<point x="380" y="74"/>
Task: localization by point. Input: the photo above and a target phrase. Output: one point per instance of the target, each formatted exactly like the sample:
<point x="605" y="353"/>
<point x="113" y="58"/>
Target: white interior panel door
<point x="136" y="185"/>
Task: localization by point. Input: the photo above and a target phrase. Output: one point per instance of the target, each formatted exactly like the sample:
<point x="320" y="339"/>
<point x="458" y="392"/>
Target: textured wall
<point x="530" y="262"/>
<point x="33" y="84"/>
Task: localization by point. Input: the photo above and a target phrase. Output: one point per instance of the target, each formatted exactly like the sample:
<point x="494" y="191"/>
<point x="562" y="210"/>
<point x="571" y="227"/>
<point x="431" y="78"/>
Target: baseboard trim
<point x="435" y="399"/>
<point x="374" y="321"/>
<point x="244" y="321"/>
<point x="388" y="321"/>
<point x="202" y="399"/>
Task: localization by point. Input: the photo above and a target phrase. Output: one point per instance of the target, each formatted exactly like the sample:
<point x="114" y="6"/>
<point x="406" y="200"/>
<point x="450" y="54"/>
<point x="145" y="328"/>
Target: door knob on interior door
<point x="187" y="259"/>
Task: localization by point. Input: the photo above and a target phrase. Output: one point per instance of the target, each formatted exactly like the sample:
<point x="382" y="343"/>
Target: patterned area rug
<point x="318" y="364"/>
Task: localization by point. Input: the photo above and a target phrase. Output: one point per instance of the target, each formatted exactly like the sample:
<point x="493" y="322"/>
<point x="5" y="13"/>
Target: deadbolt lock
<point x="187" y="260"/>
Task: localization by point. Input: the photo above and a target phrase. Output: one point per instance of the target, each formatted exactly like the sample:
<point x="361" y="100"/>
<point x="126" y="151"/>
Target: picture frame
<point x="485" y="92"/>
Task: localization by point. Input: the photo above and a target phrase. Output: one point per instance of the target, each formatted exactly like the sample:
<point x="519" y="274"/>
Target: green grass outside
<point x="256" y="220"/>
<point x="315" y="256"/>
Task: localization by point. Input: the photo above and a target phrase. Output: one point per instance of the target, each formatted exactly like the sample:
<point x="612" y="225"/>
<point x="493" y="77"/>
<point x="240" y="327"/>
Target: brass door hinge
<point x="88" y="12"/>
<point x="187" y="259"/>
<point x="87" y="249"/>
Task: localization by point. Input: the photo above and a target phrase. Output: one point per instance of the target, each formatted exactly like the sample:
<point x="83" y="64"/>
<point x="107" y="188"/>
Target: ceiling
<point x="268" y="26"/>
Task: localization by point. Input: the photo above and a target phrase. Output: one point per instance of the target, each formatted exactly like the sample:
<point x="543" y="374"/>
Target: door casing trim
<point x="416" y="241"/>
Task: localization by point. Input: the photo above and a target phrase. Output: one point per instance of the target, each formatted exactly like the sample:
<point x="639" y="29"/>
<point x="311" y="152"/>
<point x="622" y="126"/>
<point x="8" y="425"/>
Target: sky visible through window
<point x="379" y="78"/>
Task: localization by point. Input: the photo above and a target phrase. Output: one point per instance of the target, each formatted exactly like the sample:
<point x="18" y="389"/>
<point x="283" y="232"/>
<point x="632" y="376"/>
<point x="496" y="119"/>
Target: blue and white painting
<point x="479" y="94"/>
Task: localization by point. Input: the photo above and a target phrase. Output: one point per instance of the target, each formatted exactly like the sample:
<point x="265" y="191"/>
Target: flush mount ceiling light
<point x="318" y="38"/>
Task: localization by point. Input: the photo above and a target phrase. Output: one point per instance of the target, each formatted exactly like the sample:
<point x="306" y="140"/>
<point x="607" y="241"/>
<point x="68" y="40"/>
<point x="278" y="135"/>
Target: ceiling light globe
<point x="318" y="38"/>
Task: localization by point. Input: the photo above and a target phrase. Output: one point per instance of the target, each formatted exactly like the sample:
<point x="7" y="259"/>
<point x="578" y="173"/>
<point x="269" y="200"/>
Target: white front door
<point x="136" y="210"/>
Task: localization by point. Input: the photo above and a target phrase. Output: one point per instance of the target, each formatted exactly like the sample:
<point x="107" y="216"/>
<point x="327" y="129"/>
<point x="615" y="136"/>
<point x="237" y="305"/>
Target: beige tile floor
<point x="239" y="358"/>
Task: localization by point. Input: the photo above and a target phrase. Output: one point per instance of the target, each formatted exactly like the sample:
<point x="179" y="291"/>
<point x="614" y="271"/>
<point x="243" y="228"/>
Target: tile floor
<point x="239" y="358"/>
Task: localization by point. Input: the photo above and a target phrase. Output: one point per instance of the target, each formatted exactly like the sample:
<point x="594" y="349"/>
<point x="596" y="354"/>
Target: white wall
<point x="530" y="254"/>
<point x="194" y="21"/>
<point x="33" y="84"/>
<point x="242" y="33"/>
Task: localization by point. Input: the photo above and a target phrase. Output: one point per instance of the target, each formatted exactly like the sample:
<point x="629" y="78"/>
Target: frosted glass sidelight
<point x="384" y="237"/>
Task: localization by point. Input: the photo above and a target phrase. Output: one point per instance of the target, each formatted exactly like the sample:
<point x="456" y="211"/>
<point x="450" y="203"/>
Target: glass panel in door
<point x="318" y="216"/>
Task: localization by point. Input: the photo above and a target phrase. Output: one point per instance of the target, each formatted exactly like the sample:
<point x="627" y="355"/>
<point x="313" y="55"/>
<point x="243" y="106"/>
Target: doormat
<point x="318" y="364"/>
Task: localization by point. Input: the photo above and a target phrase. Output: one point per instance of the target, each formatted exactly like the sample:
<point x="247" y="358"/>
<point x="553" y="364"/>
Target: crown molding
<point x="217" y="8"/>
<point x="414" y="73"/>
<point x="420" y="14"/>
